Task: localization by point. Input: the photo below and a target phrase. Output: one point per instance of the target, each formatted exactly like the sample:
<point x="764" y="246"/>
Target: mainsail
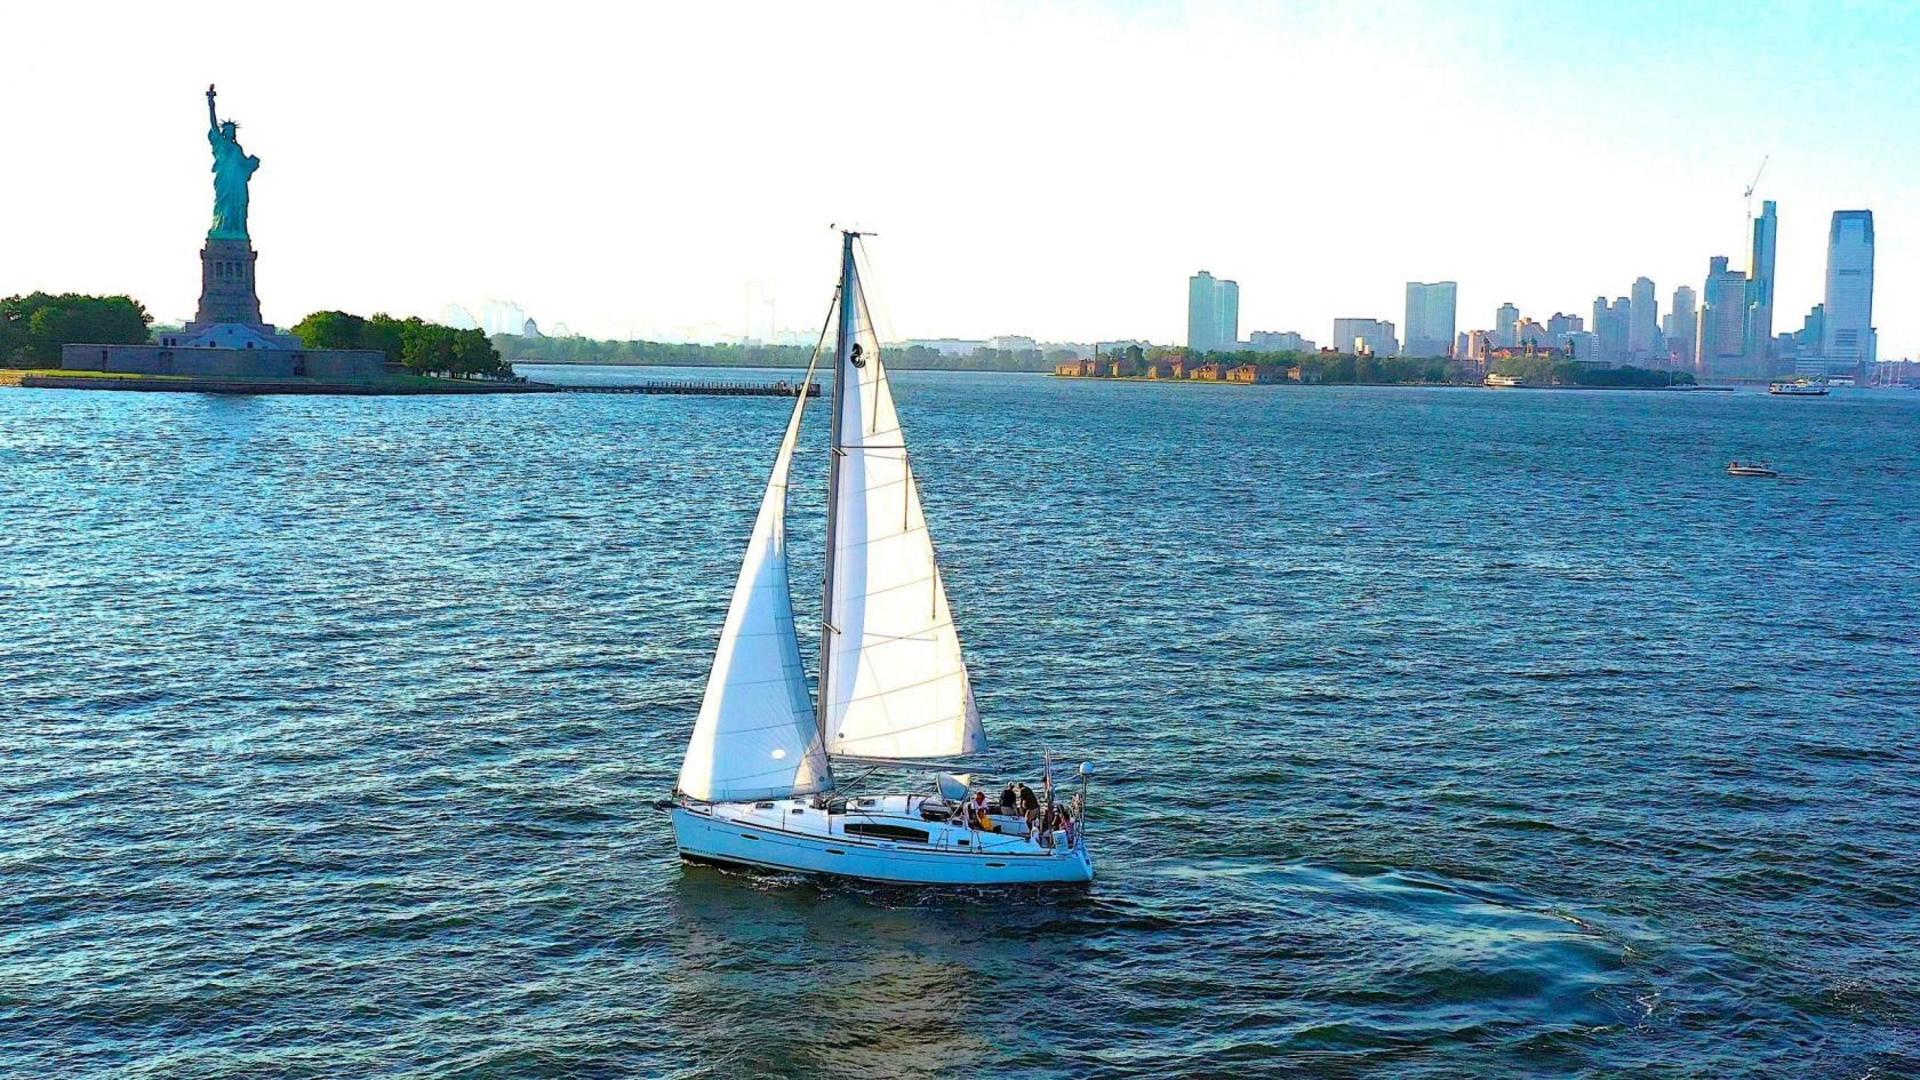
<point x="893" y="682"/>
<point x="756" y="736"/>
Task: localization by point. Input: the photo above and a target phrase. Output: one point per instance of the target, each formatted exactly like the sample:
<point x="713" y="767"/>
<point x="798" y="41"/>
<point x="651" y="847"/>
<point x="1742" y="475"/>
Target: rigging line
<point x="846" y="790"/>
<point x="799" y="414"/>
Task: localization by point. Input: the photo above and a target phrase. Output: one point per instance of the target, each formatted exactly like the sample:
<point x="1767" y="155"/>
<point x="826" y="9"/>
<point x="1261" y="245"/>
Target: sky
<point x="1049" y="169"/>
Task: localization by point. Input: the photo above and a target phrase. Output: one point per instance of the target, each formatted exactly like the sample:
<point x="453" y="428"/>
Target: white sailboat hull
<point x="788" y="835"/>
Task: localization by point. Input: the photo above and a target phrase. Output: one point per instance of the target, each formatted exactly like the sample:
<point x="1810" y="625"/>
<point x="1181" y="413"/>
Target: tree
<point x="425" y="348"/>
<point x="35" y="326"/>
<point x="331" y="330"/>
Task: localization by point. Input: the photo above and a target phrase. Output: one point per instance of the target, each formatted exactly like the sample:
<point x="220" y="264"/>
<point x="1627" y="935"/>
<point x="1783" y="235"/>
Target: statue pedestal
<point x="226" y="286"/>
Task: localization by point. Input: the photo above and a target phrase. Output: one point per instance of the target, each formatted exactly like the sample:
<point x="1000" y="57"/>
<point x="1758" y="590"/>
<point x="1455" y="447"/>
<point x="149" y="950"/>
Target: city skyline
<point x="575" y="190"/>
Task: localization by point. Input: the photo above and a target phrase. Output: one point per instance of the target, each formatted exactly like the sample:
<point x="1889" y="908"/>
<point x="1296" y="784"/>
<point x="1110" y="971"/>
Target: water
<point x="1440" y="733"/>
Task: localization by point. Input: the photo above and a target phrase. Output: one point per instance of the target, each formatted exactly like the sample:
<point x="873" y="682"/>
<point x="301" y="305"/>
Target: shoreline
<point x="1688" y="389"/>
<point x="189" y="384"/>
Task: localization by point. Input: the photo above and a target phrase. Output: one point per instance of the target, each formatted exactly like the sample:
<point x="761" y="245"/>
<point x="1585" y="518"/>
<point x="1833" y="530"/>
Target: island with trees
<point x="1328" y="367"/>
<point x="420" y="357"/>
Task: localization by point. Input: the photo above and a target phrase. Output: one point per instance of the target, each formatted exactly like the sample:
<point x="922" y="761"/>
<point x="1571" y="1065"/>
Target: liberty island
<point x="228" y="347"/>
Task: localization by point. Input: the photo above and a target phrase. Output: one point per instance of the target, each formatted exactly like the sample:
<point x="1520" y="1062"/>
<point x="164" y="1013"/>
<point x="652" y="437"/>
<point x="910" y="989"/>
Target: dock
<point x="782" y="388"/>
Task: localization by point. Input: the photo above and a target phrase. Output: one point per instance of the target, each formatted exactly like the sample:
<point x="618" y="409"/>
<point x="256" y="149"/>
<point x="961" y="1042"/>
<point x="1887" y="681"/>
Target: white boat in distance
<point x="1798" y="388"/>
<point x="758" y="785"/>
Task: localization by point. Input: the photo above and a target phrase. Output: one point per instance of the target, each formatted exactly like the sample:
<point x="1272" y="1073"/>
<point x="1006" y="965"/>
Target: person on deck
<point x="1009" y="800"/>
<point x="1029" y="804"/>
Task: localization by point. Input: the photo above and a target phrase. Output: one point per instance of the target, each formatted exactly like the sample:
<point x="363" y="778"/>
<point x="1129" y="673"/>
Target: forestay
<point x="895" y="683"/>
<point x="756" y="736"/>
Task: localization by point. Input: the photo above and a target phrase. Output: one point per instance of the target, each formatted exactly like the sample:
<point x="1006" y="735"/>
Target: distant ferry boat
<point x="1798" y="388"/>
<point x="1504" y="380"/>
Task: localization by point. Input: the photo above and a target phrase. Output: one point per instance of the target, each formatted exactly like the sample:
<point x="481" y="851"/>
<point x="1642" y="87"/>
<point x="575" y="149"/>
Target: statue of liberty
<point x="232" y="168"/>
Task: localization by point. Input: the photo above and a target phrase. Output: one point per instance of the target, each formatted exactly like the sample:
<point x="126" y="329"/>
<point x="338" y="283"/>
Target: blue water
<point x="1439" y="733"/>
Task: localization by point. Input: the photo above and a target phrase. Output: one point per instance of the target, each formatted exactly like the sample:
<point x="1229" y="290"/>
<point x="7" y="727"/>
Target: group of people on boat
<point x="1019" y="802"/>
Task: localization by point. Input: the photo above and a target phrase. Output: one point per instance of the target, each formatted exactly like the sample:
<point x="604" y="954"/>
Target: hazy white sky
<point x="1048" y="169"/>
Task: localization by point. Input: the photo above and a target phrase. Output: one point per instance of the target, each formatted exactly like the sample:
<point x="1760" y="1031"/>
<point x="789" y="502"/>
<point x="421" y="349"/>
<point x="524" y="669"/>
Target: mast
<point x="843" y="340"/>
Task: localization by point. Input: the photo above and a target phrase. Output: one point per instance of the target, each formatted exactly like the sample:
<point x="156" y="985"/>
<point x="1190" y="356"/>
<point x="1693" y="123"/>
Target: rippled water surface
<point x="1439" y="733"/>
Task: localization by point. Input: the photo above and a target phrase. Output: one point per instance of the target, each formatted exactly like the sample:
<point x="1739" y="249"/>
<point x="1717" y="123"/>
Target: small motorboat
<point x="1751" y="468"/>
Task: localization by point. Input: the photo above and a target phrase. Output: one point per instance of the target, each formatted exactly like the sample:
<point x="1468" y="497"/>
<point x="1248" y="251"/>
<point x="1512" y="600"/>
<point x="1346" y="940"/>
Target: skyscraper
<point x="1368" y="335"/>
<point x="1228" y="313"/>
<point x="1759" y="324"/>
<point x="1643" y="321"/>
<point x="1723" y="321"/>
<point x="1430" y="318"/>
<point x="1849" y="333"/>
<point x="1279" y="341"/>
<point x="1807" y="357"/>
<point x="1504" y="320"/>
<point x="1560" y="324"/>
<point x="1610" y="327"/>
<point x="1683" y="327"/>
<point x="1213" y="313"/>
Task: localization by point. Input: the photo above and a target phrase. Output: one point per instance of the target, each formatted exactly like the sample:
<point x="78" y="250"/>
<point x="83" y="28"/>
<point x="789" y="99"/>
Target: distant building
<point x="1813" y="332"/>
<point x="1257" y="373"/>
<point x="1721" y="351"/>
<point x="1013" y="343"/>
<point x="1560" y="324"/>
<point x="1278" y="341"/>
<point x="1509" y="352"/>
<point x="1431" y="310"/>
<point x="502" y="317"/>
<point x="1505" y="321"/>
<point x="1611" y="323"/>
<point x="1213" y="313"/>
<point x="1372" y="336"/>
<point x="1758" y="332"/>
<point x="1643" y="322"/>
<point x="946" y="346"/>
<point x="1581" y="346"/>
<point x="1682" y="328"/>
<point x="1849" y="335"/>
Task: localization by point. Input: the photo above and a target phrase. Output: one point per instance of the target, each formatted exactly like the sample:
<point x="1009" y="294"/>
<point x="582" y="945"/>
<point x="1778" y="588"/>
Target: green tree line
<point x="424" y="348"/>
<point x="1548" y="371"/>
<point x="34" y="326"/>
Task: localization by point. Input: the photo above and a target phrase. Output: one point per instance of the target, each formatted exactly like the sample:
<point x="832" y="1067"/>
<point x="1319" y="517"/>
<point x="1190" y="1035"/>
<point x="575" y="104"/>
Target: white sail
<point x="895" y="685"/>
<point x="756" y="737"/>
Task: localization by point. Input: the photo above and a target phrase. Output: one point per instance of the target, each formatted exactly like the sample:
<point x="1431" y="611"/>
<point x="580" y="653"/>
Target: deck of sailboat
<point x="890" y="820"/>
<point x="884" y="837"/>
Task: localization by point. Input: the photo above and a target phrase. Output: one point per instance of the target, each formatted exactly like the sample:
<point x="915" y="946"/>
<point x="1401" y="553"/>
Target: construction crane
<point x="1747" y="236"/>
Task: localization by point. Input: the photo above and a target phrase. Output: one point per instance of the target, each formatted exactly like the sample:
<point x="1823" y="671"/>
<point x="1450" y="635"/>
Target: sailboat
<point x="761" y="786"/>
